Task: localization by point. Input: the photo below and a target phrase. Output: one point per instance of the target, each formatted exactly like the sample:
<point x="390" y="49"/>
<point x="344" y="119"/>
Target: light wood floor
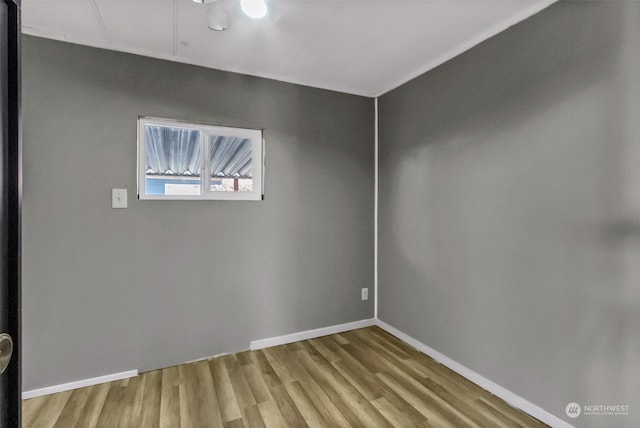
<point x="362" y="378"/>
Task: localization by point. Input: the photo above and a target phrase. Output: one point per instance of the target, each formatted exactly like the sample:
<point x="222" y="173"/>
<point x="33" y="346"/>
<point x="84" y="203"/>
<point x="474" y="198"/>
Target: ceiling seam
<point x="96" y="9"/>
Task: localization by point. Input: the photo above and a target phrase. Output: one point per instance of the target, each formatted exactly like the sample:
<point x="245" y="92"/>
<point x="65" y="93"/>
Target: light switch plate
<point x="118" y="198"/>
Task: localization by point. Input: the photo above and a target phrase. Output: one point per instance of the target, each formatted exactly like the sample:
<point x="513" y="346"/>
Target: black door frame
<point x="11" y="205"/>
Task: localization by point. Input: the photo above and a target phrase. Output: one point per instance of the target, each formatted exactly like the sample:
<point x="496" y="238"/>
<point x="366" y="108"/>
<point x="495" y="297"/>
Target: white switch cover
<point x="365" y="294"/>
<point x="118" y="198"/>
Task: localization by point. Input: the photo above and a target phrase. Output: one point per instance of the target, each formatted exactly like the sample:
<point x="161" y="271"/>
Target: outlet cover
<point x="118" y="198"/>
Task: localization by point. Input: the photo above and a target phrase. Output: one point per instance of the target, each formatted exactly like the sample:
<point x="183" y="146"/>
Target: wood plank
<point x="360" y="381"/>
<point x="502" y="410"/>
<point x="72" y="410"/>
<point x="253" y="417"/>
<point x="151" y="400"/>
<point x="305" y="405"/>
<point x="269" y="375"/>
<point x="340" y="339"/>
<point x="245" y="357"/>
<point x="277" y="358"/>
<point x="170" y="377"/>
<point x="287" y="407"/>
<point x="461" y="404"/>
<point x="416" y="400"/>
<point x="358" y="375"/>
<point x="443" y="407"/>
<point x="402" y="351"/>
<point x="288" y="365"/>
<point x="237" y="423"/>
<point x="416" y="418"/>
<point x="170" y="398"/>
<point x="368" y="359"/>
<point x="353" y="405"/>
<point x="271" y="415"/>
<point x="409" y="368"/>
<point x="241" y="389"/>
<point x="90" y="414"/>
<point x="170" y="407"/>
<point x="198" y="400"/>
<point x="31" y="409"/>
<point x="326" y="348"/>
<point x="132" y="400"/>
<point x="111" y="412"/>
<point x="257" y="383"/>
<point x="395" y="416"/>
<point x="320" y="398"/>
<point x="50" y="410"/>
<point x="226" y="396"/>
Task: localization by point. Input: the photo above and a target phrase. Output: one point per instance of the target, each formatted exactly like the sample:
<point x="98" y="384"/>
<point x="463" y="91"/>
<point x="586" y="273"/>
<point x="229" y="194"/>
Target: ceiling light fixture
<point x="217" y="17"/>
<point x="255" y="9"/>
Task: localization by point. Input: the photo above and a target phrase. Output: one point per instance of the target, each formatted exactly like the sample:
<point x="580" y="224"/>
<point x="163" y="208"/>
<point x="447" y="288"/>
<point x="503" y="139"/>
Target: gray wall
<point x="164" y="282"/>
<point x="510" y="208"/>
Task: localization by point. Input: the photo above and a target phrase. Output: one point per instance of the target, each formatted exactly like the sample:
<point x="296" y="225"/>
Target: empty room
<point x="323" y="213"/>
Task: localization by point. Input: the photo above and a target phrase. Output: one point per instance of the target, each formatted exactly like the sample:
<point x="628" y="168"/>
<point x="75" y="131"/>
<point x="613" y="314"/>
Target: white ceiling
<point x="364" y="47"/>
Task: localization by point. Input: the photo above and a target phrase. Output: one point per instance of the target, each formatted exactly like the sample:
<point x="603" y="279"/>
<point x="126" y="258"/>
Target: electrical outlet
<point x="365" y="294"/>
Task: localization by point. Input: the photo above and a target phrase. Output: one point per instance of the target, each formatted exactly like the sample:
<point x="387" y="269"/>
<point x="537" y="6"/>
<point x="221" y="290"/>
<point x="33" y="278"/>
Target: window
<point x="180" y="160"/>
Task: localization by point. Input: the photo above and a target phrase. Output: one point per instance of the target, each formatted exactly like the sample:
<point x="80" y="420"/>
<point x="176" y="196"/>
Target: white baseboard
<point x="309" y="334"/>
<point x="78" y="384"/>
<point x="497" y="390"/>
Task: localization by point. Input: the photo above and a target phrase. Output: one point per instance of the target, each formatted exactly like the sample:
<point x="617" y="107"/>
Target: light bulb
<point x="255" y="9"/>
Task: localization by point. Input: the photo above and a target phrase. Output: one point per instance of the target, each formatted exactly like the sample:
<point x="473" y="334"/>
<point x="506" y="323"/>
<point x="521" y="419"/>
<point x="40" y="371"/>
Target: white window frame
<point x="257" y="156"/>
